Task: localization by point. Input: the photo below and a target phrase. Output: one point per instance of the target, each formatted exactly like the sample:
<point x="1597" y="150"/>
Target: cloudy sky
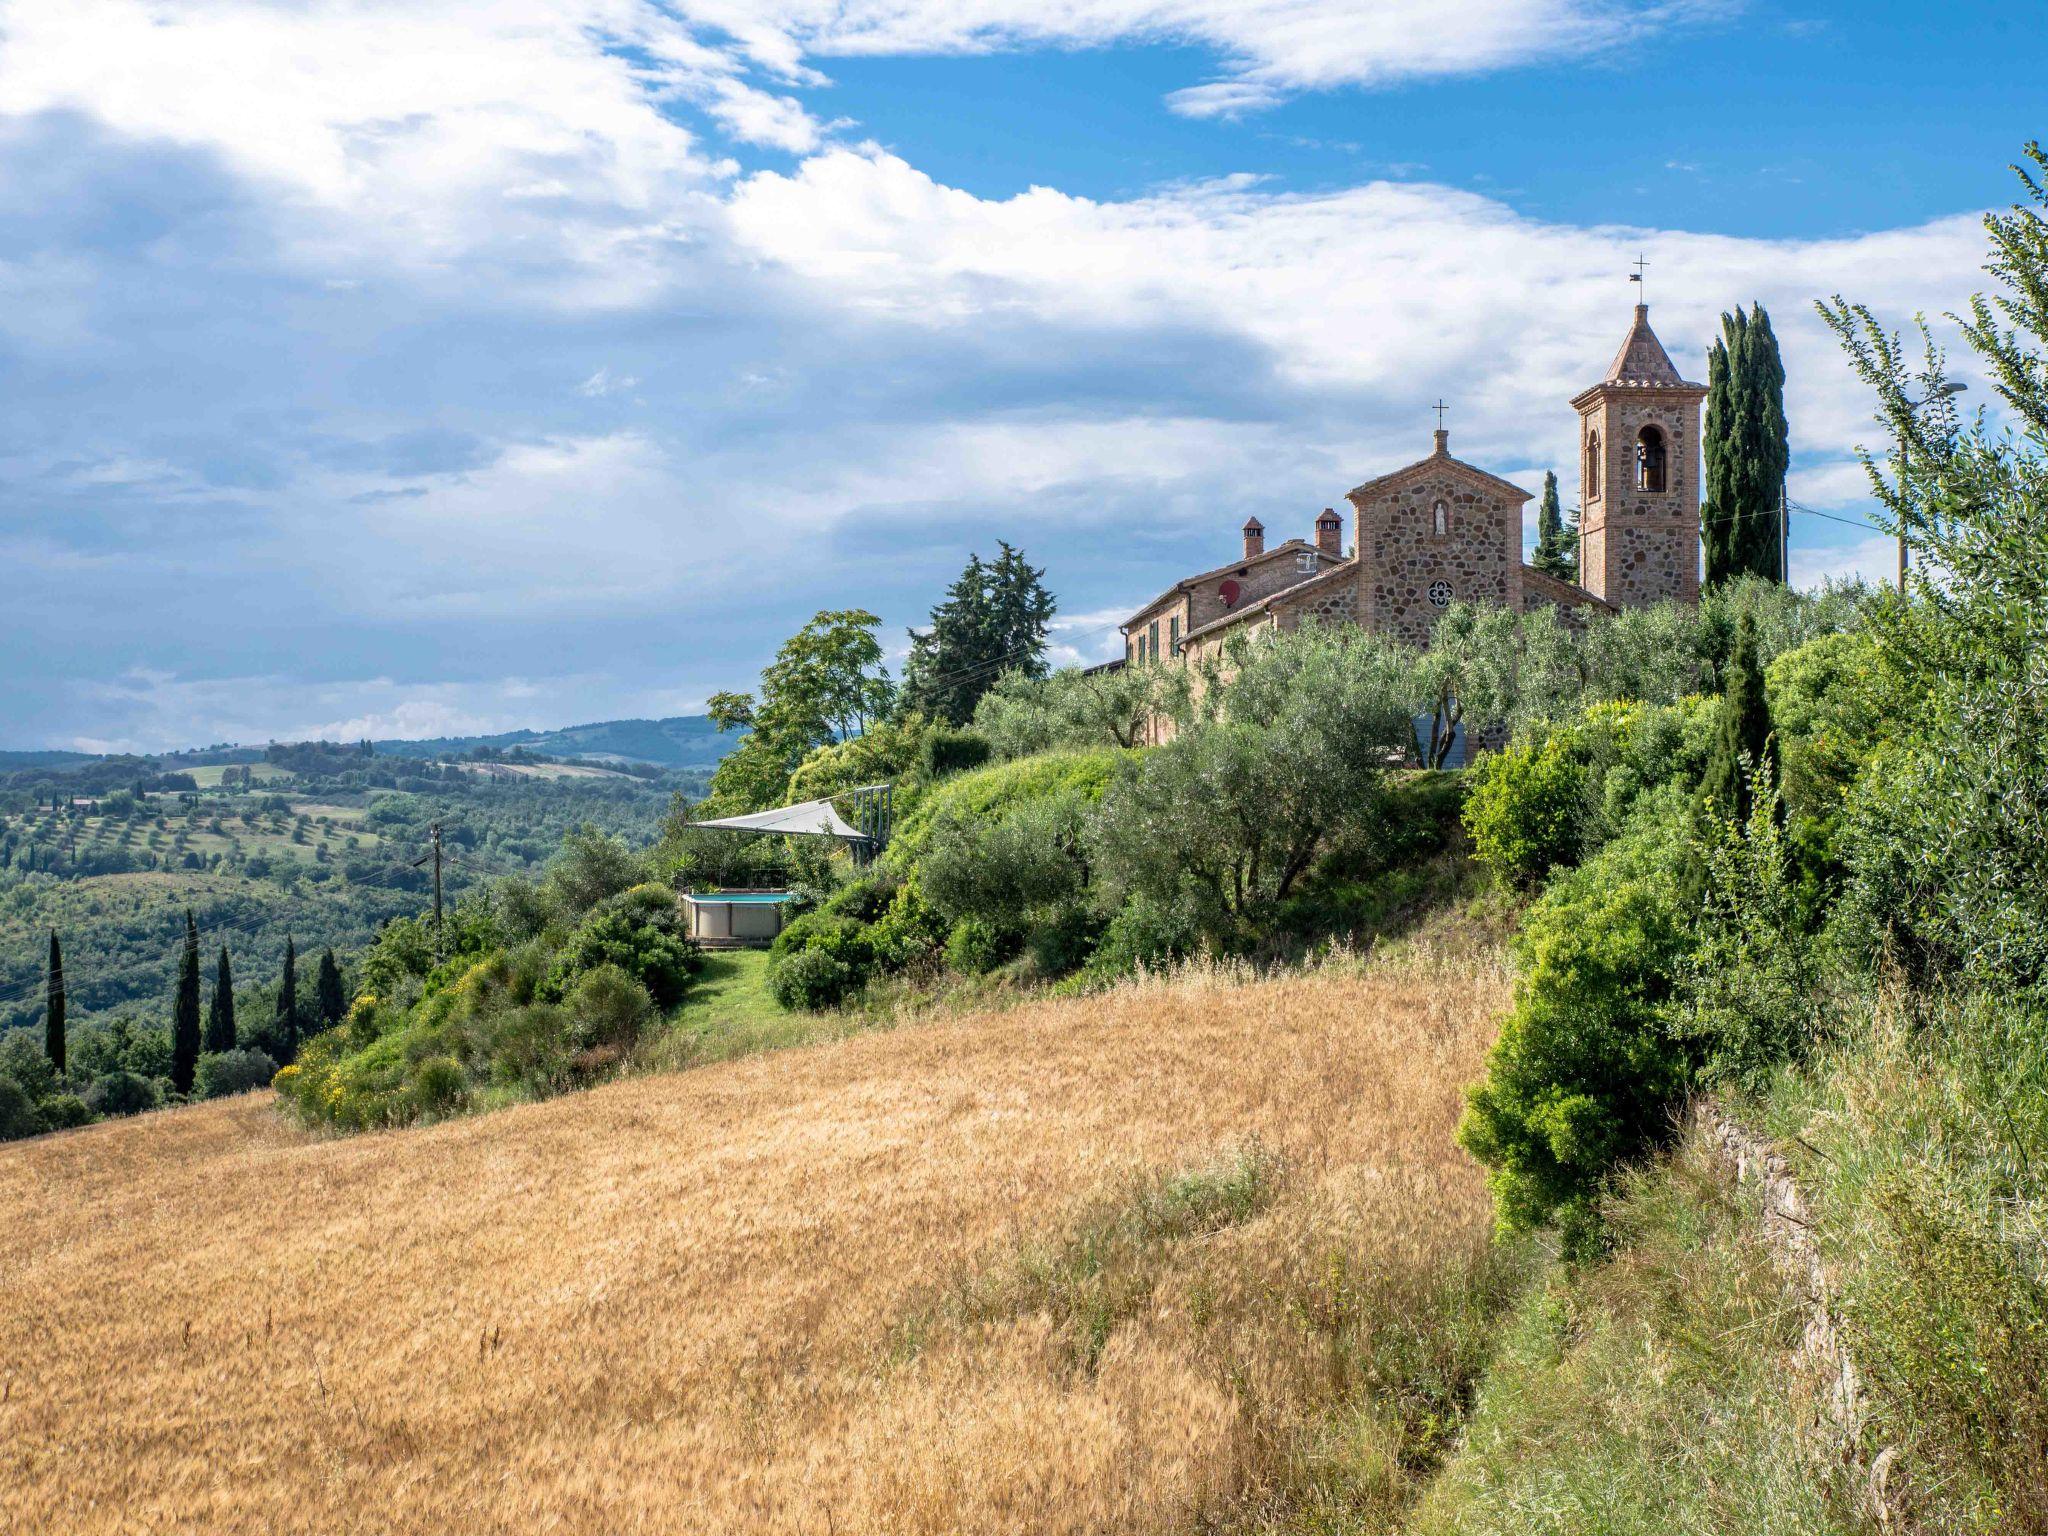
<point x="379" y="367"/>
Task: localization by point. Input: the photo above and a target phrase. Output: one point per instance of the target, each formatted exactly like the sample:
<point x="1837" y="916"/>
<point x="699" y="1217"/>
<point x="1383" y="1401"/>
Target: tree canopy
<point x="993" y="621"/>
<point x="1747" y="451"/>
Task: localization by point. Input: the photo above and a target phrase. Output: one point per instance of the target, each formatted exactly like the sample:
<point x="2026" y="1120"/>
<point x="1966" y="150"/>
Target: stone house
<point x="1441" y="530"/>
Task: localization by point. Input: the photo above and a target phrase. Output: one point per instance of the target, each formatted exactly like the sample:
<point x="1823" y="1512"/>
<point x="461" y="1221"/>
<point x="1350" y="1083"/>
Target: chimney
<point x="1330" y="533"/>
<point x="1254" y="537"/>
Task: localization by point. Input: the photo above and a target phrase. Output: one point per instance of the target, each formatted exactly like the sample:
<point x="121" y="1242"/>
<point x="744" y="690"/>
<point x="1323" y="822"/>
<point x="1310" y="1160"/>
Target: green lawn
<point x="729" y="1013"/>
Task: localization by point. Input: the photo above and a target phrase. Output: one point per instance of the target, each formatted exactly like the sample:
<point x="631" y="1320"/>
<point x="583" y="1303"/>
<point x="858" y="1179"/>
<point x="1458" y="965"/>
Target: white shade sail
<point x="813" y="818"/>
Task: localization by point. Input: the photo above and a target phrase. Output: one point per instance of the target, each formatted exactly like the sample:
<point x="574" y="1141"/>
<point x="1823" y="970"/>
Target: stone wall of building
<point x="1285" y="566"/>
<point x="1637" y="546"/>
<point x="1411" y="573"/>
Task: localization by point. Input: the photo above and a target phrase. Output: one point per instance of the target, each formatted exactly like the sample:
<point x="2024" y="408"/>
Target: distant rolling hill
<point x="683" y="741"/>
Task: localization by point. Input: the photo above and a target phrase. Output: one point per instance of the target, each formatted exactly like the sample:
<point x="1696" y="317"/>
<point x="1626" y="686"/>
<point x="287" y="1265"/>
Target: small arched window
<point x="1593" y="465"/>
<point x="1650" y="460"/>
<point x="1441" y="512"/>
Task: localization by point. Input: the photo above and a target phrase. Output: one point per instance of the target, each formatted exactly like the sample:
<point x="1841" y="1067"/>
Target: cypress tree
<point x="286" y="1025"/>
<point x="1747" y="449"/>
<point x="1744" y="741"/>
<point x="53" y="1011"/>
<point x="220" y="1015"/>
<point x="327" y="992"/>
<point x="1552" y="556"/>
<point x="185" y="1014"/>
<point x="1764" y="390"/>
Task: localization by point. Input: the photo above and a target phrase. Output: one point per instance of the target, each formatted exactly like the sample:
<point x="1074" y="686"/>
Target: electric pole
<point x="434" y="836"/>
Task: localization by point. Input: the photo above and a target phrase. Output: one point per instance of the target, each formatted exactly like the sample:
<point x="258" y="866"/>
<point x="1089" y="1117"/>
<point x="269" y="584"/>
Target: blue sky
<point x="383" y="369"/>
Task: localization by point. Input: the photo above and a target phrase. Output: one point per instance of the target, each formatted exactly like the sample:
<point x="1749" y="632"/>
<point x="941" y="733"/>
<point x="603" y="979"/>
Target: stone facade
<point x="1438" y="532"/>
<point x="1639" y="484"/>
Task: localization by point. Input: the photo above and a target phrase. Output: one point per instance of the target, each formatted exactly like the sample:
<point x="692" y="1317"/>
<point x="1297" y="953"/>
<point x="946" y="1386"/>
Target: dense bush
<point x="122" y="1093"/>
<point x="988" y="793"/>
<point x="18" y="1115"/>
<point x="439" y="1085"/>
<point x="63" y="1112"/>
<point x="809" y="981"/>
<point x="950" y="752"/>
<point x="977" y="946"/>
<point x="222" y="1073"/>
<point x="1525" y="809"/>
<point x="641" y="931"/>
<point x="1586" y="1069"/>
<point x="609" y="1007"/>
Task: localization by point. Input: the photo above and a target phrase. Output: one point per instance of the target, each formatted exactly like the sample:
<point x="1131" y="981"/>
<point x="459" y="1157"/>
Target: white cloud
<point x="1267" y="48"/>
<point x="1513" y="316"/>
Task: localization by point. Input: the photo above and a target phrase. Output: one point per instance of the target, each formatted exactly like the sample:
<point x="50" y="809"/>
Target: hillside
<point x="1084" y="1264"/>
<point x="682" y="741"/>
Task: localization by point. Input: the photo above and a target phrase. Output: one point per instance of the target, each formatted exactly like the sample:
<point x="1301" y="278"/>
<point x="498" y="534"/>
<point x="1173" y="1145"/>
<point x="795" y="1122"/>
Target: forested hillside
<point x="319" y="842"/>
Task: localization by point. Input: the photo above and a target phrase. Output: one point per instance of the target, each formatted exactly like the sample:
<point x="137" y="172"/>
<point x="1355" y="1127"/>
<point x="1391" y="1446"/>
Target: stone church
<point x="1441" y="531"/>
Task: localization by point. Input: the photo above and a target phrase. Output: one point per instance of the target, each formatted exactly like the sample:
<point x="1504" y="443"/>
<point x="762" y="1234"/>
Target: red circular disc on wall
<point x="1228" y="592"/>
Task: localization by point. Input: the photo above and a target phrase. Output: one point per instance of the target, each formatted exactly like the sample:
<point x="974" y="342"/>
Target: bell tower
<point x="1639" y="480"/>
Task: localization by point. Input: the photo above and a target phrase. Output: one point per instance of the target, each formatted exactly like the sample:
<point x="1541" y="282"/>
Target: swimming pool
<point x="742" y="915"/>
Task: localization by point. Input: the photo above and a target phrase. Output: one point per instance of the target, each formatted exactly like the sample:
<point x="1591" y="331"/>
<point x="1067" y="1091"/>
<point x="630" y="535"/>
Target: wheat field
<point x="731" y="1299"/>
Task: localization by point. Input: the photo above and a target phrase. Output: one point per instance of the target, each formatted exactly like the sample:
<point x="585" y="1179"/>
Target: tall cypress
<point x="1717" y="522"/>
<point x="327" y="991"/>
<point x="1747" y="449"/>
<point x="53" y="1008"/>
<point x="220" y="1014"/>
<point x="185" y="1014"/>
<point x="1743" y="744"/>
<point x="1552" y="556"/>
<point x="1764" y="391"/>
<point x="286" y="1026"/>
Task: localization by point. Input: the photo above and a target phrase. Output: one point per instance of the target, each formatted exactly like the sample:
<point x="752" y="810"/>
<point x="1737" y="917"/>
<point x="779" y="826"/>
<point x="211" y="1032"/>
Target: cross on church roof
<point x="1636" y="277"/>
<point x="1439" y="408"/>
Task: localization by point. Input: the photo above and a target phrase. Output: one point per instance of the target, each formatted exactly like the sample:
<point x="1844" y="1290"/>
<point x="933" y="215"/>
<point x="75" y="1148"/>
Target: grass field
<point x="1147" y="1261"/>
<point x="208" y="775"/>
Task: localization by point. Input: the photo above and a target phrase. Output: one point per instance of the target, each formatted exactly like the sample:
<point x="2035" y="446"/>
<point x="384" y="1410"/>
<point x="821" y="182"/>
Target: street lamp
<point x="1942" y="391"/>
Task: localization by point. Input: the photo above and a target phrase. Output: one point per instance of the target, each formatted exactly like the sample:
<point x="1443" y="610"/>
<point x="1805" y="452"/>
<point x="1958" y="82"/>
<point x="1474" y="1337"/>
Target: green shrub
<point x="439" y="1086"/>
<point x="909" y="935"/>
<point x="222" y="1073"/>
<point x="950" y="752"/>
<point x="1064" y="941"/>
<point x="122" y="1093"/>
<point x="1524" y="810"/>
<point x="809" y="981"/>
<point x="1143" y="935"/>
<point x="64" y="1112"/>
<point x="976" y="947"/>
<point x="18" y="1114"/>
<point x="984" y="794"/>
<point x="1586" y="1072"/>
<point x="530" y="1048"/>
<point x="863" y="900"/>
<point x="1009" y="869"/>
<point x="641" y="932"/>
<point x="609" y="1008"/>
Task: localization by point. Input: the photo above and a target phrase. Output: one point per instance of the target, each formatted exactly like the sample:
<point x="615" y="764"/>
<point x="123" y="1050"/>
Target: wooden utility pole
<point x="434" y="853"/>
<point x="437" y="879"/>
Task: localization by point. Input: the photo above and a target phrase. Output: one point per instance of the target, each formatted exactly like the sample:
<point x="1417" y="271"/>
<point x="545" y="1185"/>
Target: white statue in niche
<point x="1442" y="513"/>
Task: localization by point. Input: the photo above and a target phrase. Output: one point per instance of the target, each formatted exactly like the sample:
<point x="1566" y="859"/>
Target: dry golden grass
<point x="678" y="1303"/>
